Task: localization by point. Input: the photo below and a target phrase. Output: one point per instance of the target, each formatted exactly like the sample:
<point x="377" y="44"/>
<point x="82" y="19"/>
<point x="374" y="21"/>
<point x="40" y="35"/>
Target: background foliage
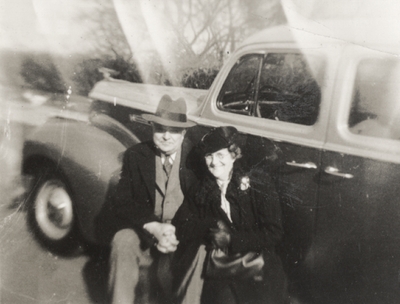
<point x="40" y="72"/>
<point x="202" y="34"/>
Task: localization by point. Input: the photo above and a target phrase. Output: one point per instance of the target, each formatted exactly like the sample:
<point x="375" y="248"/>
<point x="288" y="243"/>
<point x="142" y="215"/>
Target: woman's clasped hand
<point x="220" y="237"/>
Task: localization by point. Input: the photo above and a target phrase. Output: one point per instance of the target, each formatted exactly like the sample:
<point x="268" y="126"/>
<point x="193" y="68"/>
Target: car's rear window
<point x="375" y="107"/>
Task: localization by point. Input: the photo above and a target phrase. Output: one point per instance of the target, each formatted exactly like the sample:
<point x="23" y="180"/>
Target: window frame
<point x="311" y="136"/>
<point x="254" y="104"/>
<point x="340" y="138"/>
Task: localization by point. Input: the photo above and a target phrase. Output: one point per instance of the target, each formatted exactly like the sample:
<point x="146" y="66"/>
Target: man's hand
<point x="165" y="235"/>
<point x="168" y="243"/>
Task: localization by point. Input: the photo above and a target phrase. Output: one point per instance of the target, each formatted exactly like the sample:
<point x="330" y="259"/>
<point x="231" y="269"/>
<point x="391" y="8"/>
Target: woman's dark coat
<point x="256" y="226"/>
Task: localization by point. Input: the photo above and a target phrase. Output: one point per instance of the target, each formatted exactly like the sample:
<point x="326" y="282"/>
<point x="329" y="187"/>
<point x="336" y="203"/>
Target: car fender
<point x="88" y="157"/>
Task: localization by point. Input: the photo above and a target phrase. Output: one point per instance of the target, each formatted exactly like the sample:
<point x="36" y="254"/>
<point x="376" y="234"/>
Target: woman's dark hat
<point x="170" y="113"/>
<point x="218" y="138"/>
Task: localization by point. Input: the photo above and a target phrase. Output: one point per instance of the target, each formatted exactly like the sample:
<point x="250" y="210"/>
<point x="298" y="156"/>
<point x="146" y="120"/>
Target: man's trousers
<point x="129" y="265"/>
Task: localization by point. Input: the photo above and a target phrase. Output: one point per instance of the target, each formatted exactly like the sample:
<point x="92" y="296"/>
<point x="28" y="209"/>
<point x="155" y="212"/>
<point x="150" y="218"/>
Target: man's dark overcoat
<point x="132" y="202"/>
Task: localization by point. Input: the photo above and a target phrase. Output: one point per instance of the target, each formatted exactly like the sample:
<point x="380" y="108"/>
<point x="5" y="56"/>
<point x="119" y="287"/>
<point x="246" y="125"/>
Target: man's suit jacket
<point x="133" y="202"/>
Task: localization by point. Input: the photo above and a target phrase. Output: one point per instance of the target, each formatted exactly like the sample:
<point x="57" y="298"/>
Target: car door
<point x="282" y="113"/>
<point x="357" y="247"/>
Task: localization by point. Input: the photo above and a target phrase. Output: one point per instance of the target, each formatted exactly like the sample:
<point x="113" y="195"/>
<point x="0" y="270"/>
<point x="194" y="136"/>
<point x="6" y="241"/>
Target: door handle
<point x="308" y="165"/>
<point x="335" y="171"/>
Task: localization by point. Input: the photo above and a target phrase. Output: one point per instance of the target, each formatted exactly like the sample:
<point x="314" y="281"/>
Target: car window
<point x="289" y="90"/>
<point x="237" y="94"/>
<point x="375" y="109"/>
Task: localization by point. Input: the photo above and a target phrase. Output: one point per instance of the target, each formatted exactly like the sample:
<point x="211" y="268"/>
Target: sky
<point x="57" y="27"/>
<point x="55" y="24"/>
<point x="362" y="20"/>
<point x="40" y="25"/>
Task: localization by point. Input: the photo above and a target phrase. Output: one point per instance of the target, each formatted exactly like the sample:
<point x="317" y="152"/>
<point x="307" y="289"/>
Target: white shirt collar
<point x="223" y="185"/>
<point x="172" y="156"/>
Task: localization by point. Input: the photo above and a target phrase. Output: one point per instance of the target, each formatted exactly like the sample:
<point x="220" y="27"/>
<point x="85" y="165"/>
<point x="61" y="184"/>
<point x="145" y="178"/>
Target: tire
<point x="51" y="212"/>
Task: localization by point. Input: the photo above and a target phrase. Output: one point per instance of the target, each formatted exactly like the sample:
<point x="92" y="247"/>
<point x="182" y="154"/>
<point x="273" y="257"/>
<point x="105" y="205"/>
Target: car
<point x="319" y="112"/>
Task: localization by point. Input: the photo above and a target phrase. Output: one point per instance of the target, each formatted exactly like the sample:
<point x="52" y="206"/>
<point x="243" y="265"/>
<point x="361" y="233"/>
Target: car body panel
<point x="355" y="254"/>
<point x="74" y="147"/>
<point x="145" y="98"/>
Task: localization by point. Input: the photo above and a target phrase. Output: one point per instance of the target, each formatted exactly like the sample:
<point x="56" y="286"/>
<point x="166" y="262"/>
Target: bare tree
<point x="214" y="27"/>
<point x="106" y="35"/>
<point x="196" y="34"/>
<point x="110" y="49"/>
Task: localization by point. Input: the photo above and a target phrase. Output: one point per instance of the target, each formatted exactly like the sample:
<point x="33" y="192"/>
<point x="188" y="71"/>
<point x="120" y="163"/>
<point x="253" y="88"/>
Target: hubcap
<point x="53" y="210"/>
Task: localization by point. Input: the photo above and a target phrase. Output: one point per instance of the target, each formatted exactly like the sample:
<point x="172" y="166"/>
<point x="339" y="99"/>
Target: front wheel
<point x="51" y="213"/>
<point x="53" y="210"/>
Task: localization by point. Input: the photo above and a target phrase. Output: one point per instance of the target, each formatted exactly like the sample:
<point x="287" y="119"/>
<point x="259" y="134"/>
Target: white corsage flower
<point x="244" y="183"/>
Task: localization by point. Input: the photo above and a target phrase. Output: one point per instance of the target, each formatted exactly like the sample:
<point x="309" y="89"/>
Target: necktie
<point x="167" y="165"/>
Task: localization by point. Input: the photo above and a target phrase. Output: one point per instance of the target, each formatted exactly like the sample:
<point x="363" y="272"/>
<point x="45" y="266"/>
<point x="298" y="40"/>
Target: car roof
<point x="375" y="34"/>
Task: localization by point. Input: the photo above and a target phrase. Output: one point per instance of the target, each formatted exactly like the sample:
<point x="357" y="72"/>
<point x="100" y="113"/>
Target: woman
<point x="236" y="213"/>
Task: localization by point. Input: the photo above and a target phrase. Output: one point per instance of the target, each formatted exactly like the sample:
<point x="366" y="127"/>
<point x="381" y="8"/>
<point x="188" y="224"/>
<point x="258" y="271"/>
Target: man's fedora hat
<point x="170" y="113"/>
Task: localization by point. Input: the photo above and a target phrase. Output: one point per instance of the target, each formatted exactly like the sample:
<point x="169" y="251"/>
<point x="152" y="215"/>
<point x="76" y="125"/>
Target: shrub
<point x="86" y="75"/>
<point x="200" y="78"/>
<point x="42" y="74"/>
<point x="87" y="72"/>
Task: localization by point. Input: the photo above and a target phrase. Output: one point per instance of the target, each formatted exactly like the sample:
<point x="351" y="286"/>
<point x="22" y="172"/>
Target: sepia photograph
<point x="200" y="151"/>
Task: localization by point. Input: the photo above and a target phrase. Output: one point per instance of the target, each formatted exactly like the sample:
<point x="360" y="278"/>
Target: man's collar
<point x="172" y="156"/>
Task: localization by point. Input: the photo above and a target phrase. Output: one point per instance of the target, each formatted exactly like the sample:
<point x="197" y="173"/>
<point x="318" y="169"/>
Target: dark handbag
<point x="238" y="266"/>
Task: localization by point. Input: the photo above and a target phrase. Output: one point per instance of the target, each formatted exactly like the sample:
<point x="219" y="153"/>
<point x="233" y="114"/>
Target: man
<point x="154" y="179"/>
